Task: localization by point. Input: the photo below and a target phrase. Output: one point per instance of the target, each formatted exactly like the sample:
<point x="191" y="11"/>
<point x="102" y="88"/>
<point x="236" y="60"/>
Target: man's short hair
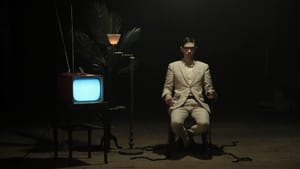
<point x="188" y="39"/>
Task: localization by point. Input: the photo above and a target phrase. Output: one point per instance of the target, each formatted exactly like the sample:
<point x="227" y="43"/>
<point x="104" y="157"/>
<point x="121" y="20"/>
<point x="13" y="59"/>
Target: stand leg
<point x="55" y="141"/>
<point x="115" y="141"/>
<point x="111" y="137"/>
<point x="106" y="137"/>
<point x="108" y="125"/>
<point x="70" y="138"/>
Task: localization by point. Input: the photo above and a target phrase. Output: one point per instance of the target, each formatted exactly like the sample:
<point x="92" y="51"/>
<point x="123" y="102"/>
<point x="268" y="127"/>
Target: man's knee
<point x="200" y="128"/>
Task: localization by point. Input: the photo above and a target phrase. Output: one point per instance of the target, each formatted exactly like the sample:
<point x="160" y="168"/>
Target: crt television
<point x="80" y="88"/>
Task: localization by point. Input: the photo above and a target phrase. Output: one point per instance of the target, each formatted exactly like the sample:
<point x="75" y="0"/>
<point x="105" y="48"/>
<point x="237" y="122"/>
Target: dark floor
<point x="269" y="140"/>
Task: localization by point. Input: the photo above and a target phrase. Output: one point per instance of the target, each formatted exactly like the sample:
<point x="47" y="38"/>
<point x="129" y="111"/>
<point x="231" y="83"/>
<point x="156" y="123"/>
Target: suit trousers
<point x="191" y="108"/>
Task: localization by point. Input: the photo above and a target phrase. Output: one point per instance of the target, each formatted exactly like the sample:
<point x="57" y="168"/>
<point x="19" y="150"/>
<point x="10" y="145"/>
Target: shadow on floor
<point x="38" y="163"/>
<point x="195" y="151"/>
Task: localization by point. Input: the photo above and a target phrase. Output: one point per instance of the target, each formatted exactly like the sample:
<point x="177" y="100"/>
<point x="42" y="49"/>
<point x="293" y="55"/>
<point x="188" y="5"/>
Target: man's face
<point x="188" y="49"/>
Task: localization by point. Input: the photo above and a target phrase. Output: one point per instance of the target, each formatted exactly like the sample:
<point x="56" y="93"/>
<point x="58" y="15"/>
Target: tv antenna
<point x="62" y="37"/>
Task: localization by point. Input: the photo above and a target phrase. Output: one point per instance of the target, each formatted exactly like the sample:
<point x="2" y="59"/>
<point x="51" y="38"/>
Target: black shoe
<point x="203" y="151"/>
<point x="206" y="152"/>
<point x="176" y="147"/>
<point x="176" y="150"/>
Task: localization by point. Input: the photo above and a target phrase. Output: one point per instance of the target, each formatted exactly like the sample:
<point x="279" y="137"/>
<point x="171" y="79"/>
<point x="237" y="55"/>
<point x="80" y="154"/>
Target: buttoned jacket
<point x="177" y="85"/>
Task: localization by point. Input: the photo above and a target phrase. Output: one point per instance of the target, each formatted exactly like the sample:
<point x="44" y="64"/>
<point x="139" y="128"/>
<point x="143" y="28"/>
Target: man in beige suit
<point x="186" y="83"/>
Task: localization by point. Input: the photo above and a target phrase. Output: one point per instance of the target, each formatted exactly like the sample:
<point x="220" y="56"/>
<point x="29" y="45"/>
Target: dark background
<point x="251" y="47"/>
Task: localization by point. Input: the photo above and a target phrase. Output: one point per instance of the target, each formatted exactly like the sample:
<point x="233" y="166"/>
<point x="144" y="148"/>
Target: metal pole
<point x="131" y="143"/>
<point x="131" y="150"/>
<point x="72" y="36"/>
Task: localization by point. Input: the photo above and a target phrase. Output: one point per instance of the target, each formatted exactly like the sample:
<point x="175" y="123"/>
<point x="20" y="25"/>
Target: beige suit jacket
<point x="176" y="83"/>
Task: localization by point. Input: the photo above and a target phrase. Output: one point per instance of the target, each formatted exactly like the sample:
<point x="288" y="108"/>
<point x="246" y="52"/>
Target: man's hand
<point x="212" y="95"/>
<point x="169" y="100"/>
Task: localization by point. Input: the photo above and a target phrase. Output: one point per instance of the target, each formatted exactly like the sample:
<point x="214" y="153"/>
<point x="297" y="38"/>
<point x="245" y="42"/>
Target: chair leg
<point x="55" y="137"/>
<point x="89" y="142"/>
<point x="209" y="136"/>
<point x="204" y="138"/>
<point x="70" y="147"/>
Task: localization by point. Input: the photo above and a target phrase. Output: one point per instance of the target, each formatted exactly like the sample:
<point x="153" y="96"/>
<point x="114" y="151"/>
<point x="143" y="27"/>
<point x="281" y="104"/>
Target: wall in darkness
<point x="250" y="46"/>
<point x="30" y="40"/>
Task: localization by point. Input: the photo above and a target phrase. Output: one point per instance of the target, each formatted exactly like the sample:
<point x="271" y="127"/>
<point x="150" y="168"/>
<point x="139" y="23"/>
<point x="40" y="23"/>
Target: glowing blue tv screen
<point x="87" y="89"/>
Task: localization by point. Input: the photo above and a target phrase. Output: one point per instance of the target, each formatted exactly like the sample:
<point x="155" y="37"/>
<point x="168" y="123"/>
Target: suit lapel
<point x="184" y="75"/>
<point x="195" y="73"/>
